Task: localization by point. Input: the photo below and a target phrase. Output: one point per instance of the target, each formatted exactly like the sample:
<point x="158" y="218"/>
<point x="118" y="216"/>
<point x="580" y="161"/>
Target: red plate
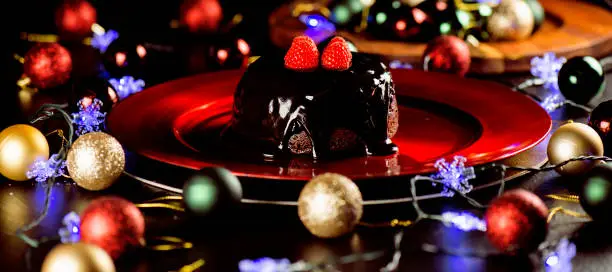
<point x="440" y="116"/>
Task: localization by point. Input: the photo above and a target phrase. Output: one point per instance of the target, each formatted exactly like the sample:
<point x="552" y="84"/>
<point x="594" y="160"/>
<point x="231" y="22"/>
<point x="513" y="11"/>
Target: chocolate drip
<point x="272" y="104"/>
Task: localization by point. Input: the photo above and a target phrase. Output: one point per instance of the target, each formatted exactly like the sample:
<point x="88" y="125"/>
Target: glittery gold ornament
<point x="512" y="20"/>
<point x="95" y="161"/>
<point x="330" y="205"/>
<point x="20" y="146"/>
<point x="573" y="140"/>
<point x="79" y="257"/>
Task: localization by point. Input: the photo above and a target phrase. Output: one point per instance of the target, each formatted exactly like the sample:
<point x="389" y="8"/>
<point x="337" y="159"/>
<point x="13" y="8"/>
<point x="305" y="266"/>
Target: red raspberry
<point x="337" y="55"/>
<point x="303" y="55"/>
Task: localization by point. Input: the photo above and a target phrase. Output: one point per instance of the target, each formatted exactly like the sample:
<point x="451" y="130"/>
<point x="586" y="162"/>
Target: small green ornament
<point x="596" y="193"/>
<point x="212" y="190"/>
<point x="581" y="78"/>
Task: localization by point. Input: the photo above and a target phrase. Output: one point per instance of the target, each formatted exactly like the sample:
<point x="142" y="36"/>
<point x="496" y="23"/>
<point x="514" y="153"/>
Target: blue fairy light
<point x="127" y="86"/>
<point x="101" y="41"/>
<point x="454" y="175"/>
<point x="43" y="169"/>
<point x="318" y="27"/>
<point x="71" y="232"/>
<point x="316" y="21"/>
<point x="464" y="221"/>
<point x="492" y="2"/>
<point x="396" y="64"/>
<point x="547" y="68"/>
<point x="265" y="264"/>
<point x="561" y="259"/>
<point x="89" y="118"/>
<point x="552" y="102"/>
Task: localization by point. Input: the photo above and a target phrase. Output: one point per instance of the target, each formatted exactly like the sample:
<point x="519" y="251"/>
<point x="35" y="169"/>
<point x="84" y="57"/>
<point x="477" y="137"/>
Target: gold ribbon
<point x="174" y="243"/>
<point x="393" y="223"/>
<point x="562" y="210"/>
<point x="193" y="266"/>
<point x="565" y="197"/>
<point x="158" y="203"/>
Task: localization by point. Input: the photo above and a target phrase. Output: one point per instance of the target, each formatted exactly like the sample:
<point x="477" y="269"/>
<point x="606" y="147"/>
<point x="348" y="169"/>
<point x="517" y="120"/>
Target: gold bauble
<point x="573" y="140"/>
<point x="512" y="20"/>
<point x="79" y="257"/>
<point x="330" y="205"/>
<point x="20" y="146"/>
<point x="95" y="161"/>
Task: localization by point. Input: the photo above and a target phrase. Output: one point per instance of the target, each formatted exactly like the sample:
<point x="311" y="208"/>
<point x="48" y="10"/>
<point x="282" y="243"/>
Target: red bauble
<point x="201" y="15"/>
<point x="114" y="224"/>
<point x="74" y="18"/>
<point x="516" y="221"/>
<point x="447" y="54"/>
<point x="47" y="65"/>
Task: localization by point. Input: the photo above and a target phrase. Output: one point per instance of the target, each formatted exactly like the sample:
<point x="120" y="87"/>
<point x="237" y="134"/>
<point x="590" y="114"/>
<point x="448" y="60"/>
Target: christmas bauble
<point x="90" y="88"/>
<point x="330" y="205"/>
<point x="511" y="20"/>
<point x="114" y="224"/>
<point x="538" y="13"/>
<point x="447" y="54"/>
<point x="79" y="257"/>
<point x="125" y="56"/>
<point x="201" y="15"/>
<point x="20" y="146"/>
<point x="596" y="193"/>
<point x="516" y="221"/>
<point x="601" y="121"/>
<point x="74" y="18"/>
<point x="400" y="21"/>
<point x="47" y="65"/>
<point x="95" y="161"/>
<point x="346" y="13"/>
<point x="212" y="190"/>
<point x="581" y="78"/>
<point x="228" y="53"/>
<point x="570" y="141"/>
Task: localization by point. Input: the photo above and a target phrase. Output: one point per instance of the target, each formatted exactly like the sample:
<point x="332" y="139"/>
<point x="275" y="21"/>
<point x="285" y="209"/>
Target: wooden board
<point x="571" y="28"/>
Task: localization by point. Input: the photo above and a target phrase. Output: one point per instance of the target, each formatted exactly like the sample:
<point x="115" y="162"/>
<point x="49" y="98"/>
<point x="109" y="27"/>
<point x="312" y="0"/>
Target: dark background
<point x="255" y="231"/>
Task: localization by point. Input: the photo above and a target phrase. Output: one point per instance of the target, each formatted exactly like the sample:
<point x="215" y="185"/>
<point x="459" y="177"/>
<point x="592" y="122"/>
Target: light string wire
<point x="606" y="64"/>
<point x="502" y="167"/>
<point x="45" y="112"/>
<point x="393" y="264"/>
<point x="536" y="82"/>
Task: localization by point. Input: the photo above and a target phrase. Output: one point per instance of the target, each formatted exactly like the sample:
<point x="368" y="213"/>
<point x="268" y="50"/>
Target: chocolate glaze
<point x="272" y="104"/>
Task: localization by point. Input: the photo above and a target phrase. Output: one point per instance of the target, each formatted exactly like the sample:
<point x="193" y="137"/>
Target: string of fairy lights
<point x="453" y="177"/>
<point x="329" y="205"/>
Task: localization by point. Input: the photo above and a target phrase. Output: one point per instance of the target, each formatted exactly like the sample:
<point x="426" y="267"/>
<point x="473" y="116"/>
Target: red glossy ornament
<point x="74" y="18"/>
<point x="447" y="54"/>
<point x="114" y="224"/>
<point x="47" y="65"/>
<point x="516" y="221"/>
<point x="201" y="15"/>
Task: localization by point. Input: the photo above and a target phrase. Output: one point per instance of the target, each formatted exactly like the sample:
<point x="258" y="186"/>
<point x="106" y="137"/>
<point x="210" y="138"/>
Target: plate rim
<point x="222" y="75"/>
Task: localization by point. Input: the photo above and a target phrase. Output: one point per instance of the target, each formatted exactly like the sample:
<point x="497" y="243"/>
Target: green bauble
<point x="212" y="190"/>
<point x="596" y="193"/>
<point x="581" y="78"/>
<point x="538" y="13"/>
